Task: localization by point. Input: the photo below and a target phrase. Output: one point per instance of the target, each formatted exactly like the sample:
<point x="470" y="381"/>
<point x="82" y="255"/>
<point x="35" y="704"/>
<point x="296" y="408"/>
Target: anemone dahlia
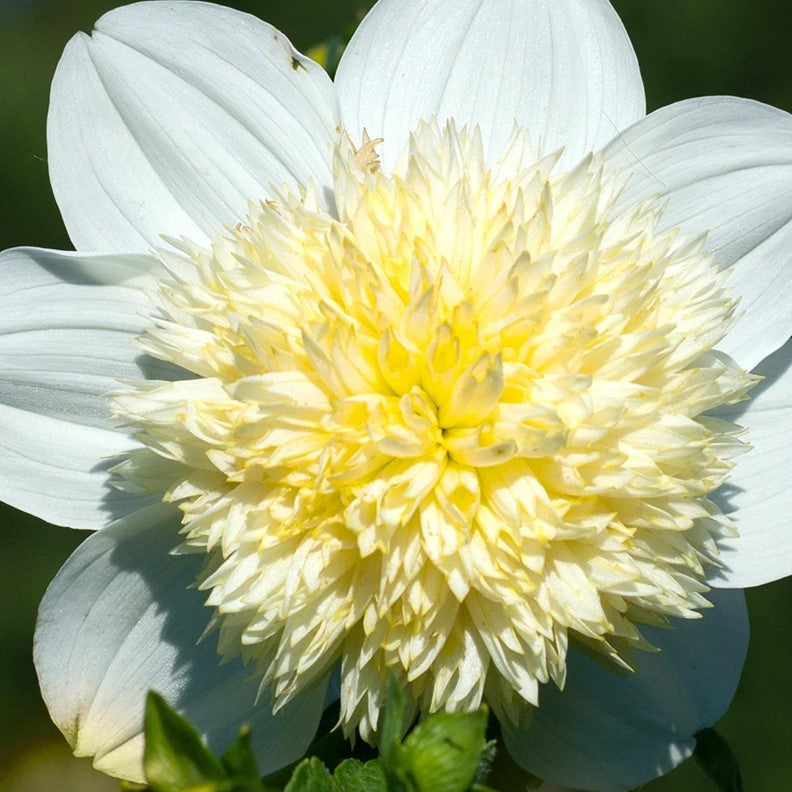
<point x="440" y="372"/>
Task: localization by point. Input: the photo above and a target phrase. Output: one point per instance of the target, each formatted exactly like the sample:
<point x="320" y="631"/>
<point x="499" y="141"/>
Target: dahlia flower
<point x="460" y="369"/>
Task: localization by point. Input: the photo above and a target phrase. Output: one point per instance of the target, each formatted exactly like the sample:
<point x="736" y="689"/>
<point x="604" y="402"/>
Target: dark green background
<point x="686" y="48"/>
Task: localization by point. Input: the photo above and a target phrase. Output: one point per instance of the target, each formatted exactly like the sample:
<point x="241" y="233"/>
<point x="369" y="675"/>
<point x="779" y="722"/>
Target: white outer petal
<point x="119" y="620"/>
<point x="563" y="68"/>
<point x="67" y="332"/>
<point x="758" y="496"/>
<point x="611" y="734"/>
<point x="174" y="115"/>
<point x="724" y="166"/>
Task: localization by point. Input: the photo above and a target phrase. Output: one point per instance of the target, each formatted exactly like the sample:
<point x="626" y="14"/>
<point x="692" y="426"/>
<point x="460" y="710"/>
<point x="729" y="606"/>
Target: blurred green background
<point x="685" y="49"/>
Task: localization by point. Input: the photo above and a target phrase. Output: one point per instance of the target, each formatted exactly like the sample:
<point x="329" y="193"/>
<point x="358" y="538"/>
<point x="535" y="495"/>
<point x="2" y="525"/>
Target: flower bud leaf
<point x="175" y="758"/>
<point x="240" y="762"/>
<point x="354" y="776"/>
<point x="310" y="776"/>
<point x="443" y="751"/>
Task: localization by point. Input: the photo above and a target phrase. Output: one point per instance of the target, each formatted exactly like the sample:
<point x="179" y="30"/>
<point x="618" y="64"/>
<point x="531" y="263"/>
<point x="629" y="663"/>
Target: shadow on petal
<point x="122" y="617"/>
<point x="610" y="733"/>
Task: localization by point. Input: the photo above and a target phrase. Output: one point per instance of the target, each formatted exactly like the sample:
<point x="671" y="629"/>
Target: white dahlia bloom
<point x="440" y="371"/>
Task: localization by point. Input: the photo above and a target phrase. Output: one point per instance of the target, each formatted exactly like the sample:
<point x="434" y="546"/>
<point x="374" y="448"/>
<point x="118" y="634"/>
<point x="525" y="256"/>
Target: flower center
<point x="445" y="429"/>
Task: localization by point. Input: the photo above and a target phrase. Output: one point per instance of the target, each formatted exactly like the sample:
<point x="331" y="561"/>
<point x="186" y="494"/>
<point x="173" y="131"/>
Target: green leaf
<point x="718" y="761"/>
<point x="310" y="776"/>
<point x="354" y="776"/>
<point x="175" y="759"/>
<point x="442" y="753"/>
<point x="393" y="724"/>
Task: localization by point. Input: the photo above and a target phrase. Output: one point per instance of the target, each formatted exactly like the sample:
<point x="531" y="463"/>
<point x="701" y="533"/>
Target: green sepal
<point x="175" y="758"/>
<point x="718" y="761"/>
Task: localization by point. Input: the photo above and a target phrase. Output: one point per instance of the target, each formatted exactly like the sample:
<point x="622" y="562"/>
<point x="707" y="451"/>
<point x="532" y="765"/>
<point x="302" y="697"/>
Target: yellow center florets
<point x="444" y="429"/>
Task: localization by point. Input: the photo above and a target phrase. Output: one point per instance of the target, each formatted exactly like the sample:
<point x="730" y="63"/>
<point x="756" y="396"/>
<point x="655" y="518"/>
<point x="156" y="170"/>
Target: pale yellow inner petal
<point x="446" y="430"/>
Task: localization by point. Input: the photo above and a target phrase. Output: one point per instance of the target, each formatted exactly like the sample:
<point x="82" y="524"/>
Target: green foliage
<point x="310" y="776"/>
<point x="444" y="753"/>
<point x="441" y="754"/>
<point x="393" y="722"/>
<point x="354" y="776"/>
<point x="350" y="776"/>
<point x="239" y="762"/>
<point x="175" y="759"/>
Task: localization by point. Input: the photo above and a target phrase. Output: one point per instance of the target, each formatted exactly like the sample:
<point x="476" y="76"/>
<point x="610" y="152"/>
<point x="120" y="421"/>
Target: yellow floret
<point x="445" y="429"/>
